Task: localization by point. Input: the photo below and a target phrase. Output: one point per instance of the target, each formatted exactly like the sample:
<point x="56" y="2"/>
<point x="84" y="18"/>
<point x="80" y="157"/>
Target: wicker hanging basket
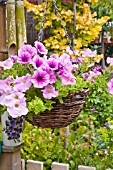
<point x="61" y="115"/>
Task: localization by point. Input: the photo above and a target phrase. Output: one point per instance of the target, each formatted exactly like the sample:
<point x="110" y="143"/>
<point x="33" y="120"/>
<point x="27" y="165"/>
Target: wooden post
<point x="11" y="28"/>
<point x="10" y="159"/>
<point x="20" y="24"/>
<point x="60" y="166"/>
<point x="80" y="167"/>
<point x="2" y="31"/>
<point x="34" y="165"/>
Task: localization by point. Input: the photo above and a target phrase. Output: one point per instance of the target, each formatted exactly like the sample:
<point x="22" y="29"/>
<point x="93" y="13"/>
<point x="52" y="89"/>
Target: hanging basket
<point x="61" y="115"/>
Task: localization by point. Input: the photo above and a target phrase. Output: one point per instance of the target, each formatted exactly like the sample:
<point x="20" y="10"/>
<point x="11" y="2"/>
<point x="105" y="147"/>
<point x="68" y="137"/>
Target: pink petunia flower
<point x="110" y="86"/>
<point x="53" y="63"/>
<point x="17" y="108"/>
<point x="49" y="92"/>
<point x="52" y="77"/>
<point x="6" y="82"/>
<point x="54" y="56"/>
<point x="13" y="97"/>
<point x="37" y="61"/>
<point x="40" y="48"/>
<point x="40" y="78"/>
<point x="24" y="58"/>
<point x="7" y="64"/>
<point x="4" y="94"/>
<point x="109" y="60"/>
<point x="23" y="83"/>
<point x="28" y="48"/>
<point x="89" y="53"/>
<point x="67" y="79"/>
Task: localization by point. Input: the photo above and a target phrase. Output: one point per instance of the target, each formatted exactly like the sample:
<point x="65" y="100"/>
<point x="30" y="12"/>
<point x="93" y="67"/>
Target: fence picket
<point x="22" y="164"/>
<point x="60" y="166"/>
<point x="34" y="165"/>
<point x="80" y="167"/>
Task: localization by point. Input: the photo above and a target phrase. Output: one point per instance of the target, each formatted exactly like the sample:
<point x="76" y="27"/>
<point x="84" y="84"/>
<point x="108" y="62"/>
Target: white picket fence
<point x="37" y="165"/>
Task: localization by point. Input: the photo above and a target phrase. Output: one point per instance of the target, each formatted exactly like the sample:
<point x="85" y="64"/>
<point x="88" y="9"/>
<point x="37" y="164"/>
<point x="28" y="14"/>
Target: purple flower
<point x="12" y="122"/>
<point x="110" y="86"/>
<point x="85" y="75"/>
<point x="107" y="124"/>
<point x="40" y="48"/>
<point x="28" y="48"/>
<point x="77" y="60"/>
<point x="37" y="61"/>
<point x="14" y="135"/>
<point x="10" y="128"/>
<point x="49" y="92"/>
<point x="24" y="58"/>
<point x="14" y="58"/>
<point x="98" y="68"/>
<point x="93" y="109"/>
<point x="19" y="131"/>
<point x="53" y="63"/>
<point x="7" y="64"/>
<point x="92" y="81"/>
<point x="40" y="78"/>
<point x="23" y="83"/>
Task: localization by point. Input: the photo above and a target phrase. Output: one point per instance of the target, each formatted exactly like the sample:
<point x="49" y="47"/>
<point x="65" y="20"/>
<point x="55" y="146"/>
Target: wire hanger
<point x="40" y="34"/>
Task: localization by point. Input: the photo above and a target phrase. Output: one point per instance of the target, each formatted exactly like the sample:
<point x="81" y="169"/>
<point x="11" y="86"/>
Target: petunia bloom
<point x="17" y="108"/>
<point x="53" y="63"/>
<point x="110" y="86"/>
<point x="89" y="53"/>
<point x="28" y="48"/>
<point x="40" y="78"/>
<point x="40" y="48"/>
<point x="7" y="64"/>
<point x="37" y="61"/>
<point x="23" y="83"/>
<point x="24" y="58"/>
<point x="67" y="79"/>
<point x="109" y="60"/>
<point x="49" y="92"/>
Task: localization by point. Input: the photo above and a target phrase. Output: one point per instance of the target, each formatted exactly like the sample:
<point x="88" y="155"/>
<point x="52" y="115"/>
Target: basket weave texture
<point x="61" y="115"/>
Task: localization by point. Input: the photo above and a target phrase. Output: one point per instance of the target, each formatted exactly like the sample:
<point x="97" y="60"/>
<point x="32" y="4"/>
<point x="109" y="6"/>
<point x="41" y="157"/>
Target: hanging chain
<point x="65" y="30"/>
<point x="40" y="34"/>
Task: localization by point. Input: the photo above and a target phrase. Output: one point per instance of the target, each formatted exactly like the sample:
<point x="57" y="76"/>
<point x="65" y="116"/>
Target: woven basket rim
<point x="62" y="114"/>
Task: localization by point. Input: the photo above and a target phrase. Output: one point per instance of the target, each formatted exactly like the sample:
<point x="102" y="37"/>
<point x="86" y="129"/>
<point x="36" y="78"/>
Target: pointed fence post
<point x="80" y="167"/>
<point x="22" y="164"/>
<point x="34" y="165"/>
<point x="60" y="166"/>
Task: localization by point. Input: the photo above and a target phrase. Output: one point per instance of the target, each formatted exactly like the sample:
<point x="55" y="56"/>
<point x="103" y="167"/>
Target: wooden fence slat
<point x="80" y="167"/>
<point x="22" y="164"/>
<point x="60" y="166"/>
<point x="34" y="165"/>
<point x="2" y="31"/>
